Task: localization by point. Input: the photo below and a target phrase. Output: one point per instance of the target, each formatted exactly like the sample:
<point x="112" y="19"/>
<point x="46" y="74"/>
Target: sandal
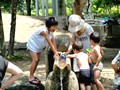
<point x="35" y="81"/>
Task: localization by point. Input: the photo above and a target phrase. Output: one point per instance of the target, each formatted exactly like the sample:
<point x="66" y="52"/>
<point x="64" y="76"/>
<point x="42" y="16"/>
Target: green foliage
<point x="50" y="12"/>
<point x="110" y="8"/>
<point x="69" y="6"/>
<point x="6" y="6"/>
<point x="116" y="15"/>
<point x="68" y="11"/>
<point x="33" y="12"/>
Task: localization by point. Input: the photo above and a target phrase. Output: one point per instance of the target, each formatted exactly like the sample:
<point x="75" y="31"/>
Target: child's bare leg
<point x="33" y="66"/>
<point x="88" y="87"/>
<point x="16" y="73"/>
<point x="94" y="87"/>
<point x="96" y="78"/>
<point x="114" y="66"/>
<point x="82" y="86"/>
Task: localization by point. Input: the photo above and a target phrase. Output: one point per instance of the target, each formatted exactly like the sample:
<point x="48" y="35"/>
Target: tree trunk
<point x="61" y="7"/>
<point x="2" y="47"/>
<point x="22" y="7"/>
<point x="78" y="7"/>
<point x="12" y="31"/>
<point x="28" y="3"/>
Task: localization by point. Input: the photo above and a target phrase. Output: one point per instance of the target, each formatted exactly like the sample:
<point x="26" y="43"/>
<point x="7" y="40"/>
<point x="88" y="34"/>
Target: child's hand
<point x="89" y="60"/>
<point x="56" y="55"/>
<point x="95" y="67"/>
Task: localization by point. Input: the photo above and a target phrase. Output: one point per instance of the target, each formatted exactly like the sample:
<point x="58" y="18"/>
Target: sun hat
<point x="75" y="23"/>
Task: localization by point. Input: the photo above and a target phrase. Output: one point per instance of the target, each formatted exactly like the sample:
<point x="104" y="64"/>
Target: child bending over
<point x="39" y="40"/>
<point x="83" y="64"/>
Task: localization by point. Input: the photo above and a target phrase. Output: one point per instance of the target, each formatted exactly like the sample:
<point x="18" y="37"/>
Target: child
<point x="115" y="63"/>
<point x="6" y="66"/>
<point x="83" y="64"/>
<point x="96" y="56"/>
<point x="37" y="43"/>
<point x="80" y="31"/>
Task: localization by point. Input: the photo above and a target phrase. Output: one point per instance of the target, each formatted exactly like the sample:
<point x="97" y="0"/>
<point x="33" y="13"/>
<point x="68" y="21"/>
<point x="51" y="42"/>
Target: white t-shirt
<point x="37" y="42"/>
<point x="85" y="36"/>
<point x="85" y="39"/>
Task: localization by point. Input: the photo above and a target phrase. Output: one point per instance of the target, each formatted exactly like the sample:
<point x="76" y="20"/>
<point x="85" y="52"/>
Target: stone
<point x="112" y="40"/>
<point x="61" y="78"/>
<point x="23" y="84"/>
<point x="62" y="42"/>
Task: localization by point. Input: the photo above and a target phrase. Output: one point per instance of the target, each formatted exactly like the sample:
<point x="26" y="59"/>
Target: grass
<point x="19" y="55"/>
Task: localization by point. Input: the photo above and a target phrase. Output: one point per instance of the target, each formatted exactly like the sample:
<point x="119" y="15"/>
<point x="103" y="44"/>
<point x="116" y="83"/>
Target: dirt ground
<point x="25" y="26"/>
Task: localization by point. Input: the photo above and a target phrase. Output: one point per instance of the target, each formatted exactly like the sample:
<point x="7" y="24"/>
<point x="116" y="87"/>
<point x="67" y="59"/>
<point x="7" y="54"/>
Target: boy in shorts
<point x="115" y="63"/>
<point x="6" y="66"/>
<point x="83" y="64"/>
<point x="96" y="57"/>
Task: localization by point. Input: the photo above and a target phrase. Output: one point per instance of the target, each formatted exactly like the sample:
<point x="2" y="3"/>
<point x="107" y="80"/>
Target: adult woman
<point x="81" y="31"/>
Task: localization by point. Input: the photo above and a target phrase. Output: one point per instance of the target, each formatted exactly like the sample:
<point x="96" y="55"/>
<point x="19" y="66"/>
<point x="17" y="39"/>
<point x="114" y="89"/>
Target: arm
<point x="99" y="55"/>
<point x="71" y="56"/>
<point x="71" y="43"/>
<point x="49" y="41"/>
<point x="54" y="42"/>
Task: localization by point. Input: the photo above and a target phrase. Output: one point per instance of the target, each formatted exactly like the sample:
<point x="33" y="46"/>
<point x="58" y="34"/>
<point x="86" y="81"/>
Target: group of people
<point x="86" y="65"/>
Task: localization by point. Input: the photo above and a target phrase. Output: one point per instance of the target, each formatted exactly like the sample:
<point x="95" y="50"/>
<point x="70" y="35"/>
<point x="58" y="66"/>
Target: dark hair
<point x="77" y="45"/>
<point x="51" y="21"/>
<point x="95" y="37"/>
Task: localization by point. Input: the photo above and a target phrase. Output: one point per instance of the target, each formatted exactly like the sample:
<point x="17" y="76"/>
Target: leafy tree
<point x="13" y="25"/>
<point x="12" y="30"/>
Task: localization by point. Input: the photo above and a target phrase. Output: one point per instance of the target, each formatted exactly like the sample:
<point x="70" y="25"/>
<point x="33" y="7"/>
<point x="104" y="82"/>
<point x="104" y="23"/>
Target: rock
<point x="62" y="42"/>
<point x="112" y="40"/>
<point x="61" y="77"/>
<point x="23" y="84"/>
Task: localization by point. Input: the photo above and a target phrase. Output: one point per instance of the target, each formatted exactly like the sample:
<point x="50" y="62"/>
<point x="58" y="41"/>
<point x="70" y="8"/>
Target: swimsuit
<point x="84" y="76"/>
<point x="100" y="67"/>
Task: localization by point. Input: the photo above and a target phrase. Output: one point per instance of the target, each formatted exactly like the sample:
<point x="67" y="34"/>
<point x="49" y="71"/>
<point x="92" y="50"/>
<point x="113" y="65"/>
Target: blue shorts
<point x="84" y="76"/>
